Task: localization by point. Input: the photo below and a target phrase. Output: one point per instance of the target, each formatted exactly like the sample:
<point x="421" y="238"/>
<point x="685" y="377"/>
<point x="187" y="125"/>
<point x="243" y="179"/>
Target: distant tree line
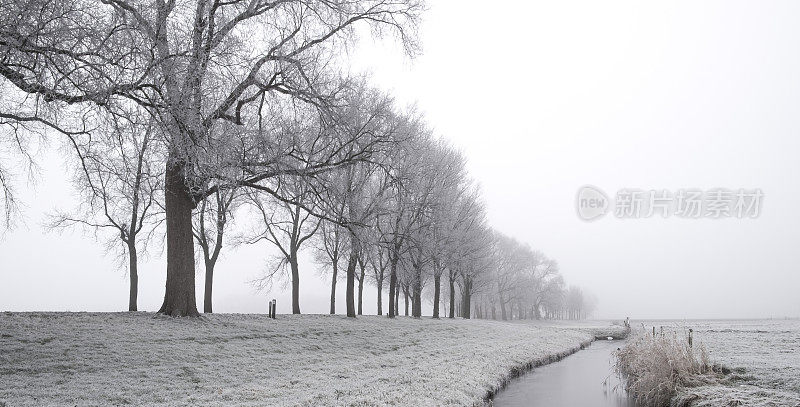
<point x="179" y="116"/>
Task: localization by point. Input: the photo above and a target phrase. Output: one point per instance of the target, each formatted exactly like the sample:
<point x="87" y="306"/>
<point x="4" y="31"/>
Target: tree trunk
<point x="360" y="296"/>
<point x="503" y="309"/>
<point x="452" y="298"/>
<point x="179" y="297"/>
<point x="380" y="299"/>
<point x="437" y="282"/>
<point x="209" y="284"/>
<point x="405" y="295"/>
<point x="392" y="287"/>
<point x="417" y="294"/>
<point x="417" y="303"/>
<point x="134" y="275"/>
<point x="333" y="286"/>
<point x="351" y="278"/>
<point x="295" y="282"/>
<point x="361" y="288"/>
<point x="466" y="300"/>
<point x="397" y="299"/>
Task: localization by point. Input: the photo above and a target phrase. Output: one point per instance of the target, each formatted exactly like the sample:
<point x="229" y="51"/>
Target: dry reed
<point x="654" y="367"/>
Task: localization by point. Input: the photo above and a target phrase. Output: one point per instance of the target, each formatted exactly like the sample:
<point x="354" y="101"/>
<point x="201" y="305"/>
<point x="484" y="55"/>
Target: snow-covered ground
<point x="764" y="356"/>
<point x="97" y="359"/>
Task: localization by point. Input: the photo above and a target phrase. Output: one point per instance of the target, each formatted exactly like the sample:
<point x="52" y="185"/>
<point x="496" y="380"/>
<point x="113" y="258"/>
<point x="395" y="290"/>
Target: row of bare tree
<point x="179" y="114"/>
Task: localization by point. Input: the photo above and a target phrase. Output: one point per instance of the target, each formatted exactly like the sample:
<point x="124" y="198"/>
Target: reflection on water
<point x="583" y="379"/>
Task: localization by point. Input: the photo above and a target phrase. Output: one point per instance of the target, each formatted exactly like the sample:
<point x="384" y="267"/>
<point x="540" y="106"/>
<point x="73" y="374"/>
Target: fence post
<point x="654" y="331"/>
<point x="271" y="312"/>
<point x="690" y="337"/>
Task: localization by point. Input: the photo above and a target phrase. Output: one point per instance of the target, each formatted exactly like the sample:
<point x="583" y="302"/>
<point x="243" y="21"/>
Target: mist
<point x="542" y="99"/>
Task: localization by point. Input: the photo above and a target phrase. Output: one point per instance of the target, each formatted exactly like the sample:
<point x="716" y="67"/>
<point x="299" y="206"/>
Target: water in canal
<point x="583" y="379"/>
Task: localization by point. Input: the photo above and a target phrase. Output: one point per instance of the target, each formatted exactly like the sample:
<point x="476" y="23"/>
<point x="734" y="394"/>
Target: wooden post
<point x="690" y="337"/>
<point x="654" y="331"/>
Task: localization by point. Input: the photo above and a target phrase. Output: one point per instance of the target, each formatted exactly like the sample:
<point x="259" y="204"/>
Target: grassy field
<point x="101" y="359"/>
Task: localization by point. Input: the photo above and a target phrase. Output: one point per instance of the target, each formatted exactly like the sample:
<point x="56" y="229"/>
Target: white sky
<point x="544" y="97"/>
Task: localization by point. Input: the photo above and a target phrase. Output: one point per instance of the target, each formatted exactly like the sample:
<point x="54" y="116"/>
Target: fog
<point x="543" y="98"/>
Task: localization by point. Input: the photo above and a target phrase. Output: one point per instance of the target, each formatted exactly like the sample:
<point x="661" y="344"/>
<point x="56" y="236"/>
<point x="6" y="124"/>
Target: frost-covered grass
<point x="758" y="362"/>
<point x="96" y="359"/>
<point x="735" y="395"/>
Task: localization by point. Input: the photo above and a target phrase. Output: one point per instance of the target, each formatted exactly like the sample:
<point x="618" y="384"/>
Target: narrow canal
<point x="583" y="379"/>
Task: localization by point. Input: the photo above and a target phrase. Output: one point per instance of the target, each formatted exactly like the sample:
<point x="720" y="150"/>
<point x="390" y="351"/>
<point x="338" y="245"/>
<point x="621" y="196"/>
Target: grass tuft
<point x="653" y="368"/>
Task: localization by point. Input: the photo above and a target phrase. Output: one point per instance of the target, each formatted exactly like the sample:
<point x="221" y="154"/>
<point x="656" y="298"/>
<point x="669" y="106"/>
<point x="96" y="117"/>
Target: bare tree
<point x="512" y="260"/>
<point x="578" y="303"/>
<point x="329" y="251"/>
<point x="542" y="281"/>
<point x="355" y="195"/>
<point x="552" y="303"/>
<point x="449" y="184"/>
<point x="211" y="219"/>
<point x="287" y="226"/>
<point x="358" y="195"/>
<point x="474" y="264"/>
<point x="377" y="257"/>
<point x="575" y="303"/>
<point x="468" y="242"/>
<point x="401" y="213"/>
<point x="119" y="180"/>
